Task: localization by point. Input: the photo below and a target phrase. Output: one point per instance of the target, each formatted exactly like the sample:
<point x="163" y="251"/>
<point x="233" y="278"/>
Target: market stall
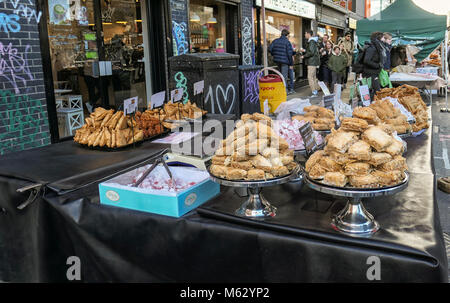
<point x="211" y="243"/>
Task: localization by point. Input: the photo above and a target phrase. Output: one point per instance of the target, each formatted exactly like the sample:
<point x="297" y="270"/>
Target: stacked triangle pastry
<point x="253" y="151"/>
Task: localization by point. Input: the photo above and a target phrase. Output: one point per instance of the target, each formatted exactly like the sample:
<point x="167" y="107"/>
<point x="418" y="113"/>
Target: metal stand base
<point x="256" y="206"/>
<point x="355" y="219"/>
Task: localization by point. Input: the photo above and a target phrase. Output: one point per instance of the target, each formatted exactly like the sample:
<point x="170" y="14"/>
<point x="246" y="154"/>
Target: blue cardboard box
<point x="117" y="192"/>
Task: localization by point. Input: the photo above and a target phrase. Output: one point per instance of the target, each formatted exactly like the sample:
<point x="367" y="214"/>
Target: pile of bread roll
<point x="253" y="151"/>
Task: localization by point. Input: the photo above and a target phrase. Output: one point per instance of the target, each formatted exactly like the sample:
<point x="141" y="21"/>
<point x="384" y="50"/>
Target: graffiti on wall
<point x="247" y="42"/>
<point x="24" y="10"/>
<point x="179" y="31"/>
<point x="251" y="87"/>
<point x="223" y="100"/>
<point x="20" y="123"/>
<point x="14" y="66"/>
<point x="8" y="23"/>
<point x="181" y="82"/>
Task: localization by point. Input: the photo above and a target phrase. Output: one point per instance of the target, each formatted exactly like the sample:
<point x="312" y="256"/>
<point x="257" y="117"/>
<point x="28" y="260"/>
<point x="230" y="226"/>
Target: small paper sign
<point x="324" y="88"/>
<point x="266" y="107"/>
<point x="157" y="99"/>
<point x="176" y="94"/>
<point x="198" y="87"/>
<point x="130" y="105"/>
<point x="328" y="101"/>
<point x="365" y="94"/>
<point x="307" y="134"/>
<point x="355" y="102"/>
<point x="337" y="91"/>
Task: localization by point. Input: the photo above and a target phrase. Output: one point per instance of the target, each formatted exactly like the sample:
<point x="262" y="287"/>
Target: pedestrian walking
<point x="347" y="44"/>
<point x="374" y="58"/>
<point x="387" y="43"/>
<point x="324" y="70"/>
<point x="282" y="51"/>
<point x="337" y="64"/>
<point x="312" y="60"/>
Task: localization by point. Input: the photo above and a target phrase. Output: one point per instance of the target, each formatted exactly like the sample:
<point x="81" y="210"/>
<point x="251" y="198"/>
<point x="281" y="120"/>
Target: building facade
<point x="101" y="52"/>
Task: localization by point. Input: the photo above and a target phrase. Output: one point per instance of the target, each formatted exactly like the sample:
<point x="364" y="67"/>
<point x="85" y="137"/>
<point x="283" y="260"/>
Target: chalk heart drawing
<point x="247" y="42"/>
<point x="222" y="97"/>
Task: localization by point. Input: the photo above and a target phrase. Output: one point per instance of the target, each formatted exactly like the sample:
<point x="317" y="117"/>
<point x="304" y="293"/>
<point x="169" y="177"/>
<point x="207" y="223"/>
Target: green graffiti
<point x="181" y="82"/>
<point x="20" y="122"/>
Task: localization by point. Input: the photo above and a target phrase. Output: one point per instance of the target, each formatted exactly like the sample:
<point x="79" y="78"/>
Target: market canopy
<point x="409" y="24"/>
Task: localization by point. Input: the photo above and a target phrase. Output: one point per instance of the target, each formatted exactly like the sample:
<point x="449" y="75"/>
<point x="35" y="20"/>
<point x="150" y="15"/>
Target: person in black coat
<point x="282" y="51"/>
<point x="374" y="60"/>
<point x="324" y="71"/>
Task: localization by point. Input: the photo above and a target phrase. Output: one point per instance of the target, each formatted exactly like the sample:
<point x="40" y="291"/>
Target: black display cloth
<point x="212" y="245"/>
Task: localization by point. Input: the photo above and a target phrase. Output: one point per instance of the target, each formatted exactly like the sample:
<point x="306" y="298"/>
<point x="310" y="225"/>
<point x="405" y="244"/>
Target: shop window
<point x="207" y="26"/>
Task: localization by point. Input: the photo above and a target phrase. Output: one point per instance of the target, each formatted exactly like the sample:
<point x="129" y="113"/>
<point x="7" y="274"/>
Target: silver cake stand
<point x="354" y="218"/>
<point x="405" y="135"/>
<point x="256" y="206"/>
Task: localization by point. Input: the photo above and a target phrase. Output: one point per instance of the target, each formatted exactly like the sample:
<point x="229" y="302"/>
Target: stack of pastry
<point x="410" y="98"/>
<point x="383" y="111"/>
<point x="359" y="155"/>
<point x="106" y="128"/>
<point x="321" y="118"/>
<point x="149" y="123"/>
<point x="253" y="151"/>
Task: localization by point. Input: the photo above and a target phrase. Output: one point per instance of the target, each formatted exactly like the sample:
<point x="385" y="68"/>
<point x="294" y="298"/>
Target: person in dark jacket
<point x="324" y="70"/>
<point x="374" y="60"/>
<point x="338" y="65"/>
<point x="282" y="52"/>
<point x="387" y="43"/>
<point x="312" y="60"/>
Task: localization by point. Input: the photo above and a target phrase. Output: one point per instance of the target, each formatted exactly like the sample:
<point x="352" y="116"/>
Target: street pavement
<point x="440" y="128"/>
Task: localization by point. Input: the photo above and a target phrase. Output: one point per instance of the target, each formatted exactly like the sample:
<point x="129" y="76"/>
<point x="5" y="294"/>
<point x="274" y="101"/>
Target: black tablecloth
<point x="211" y="245"/>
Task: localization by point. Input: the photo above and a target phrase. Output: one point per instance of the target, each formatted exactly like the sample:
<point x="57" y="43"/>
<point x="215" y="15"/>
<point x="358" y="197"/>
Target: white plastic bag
<point x="295" y="106"/>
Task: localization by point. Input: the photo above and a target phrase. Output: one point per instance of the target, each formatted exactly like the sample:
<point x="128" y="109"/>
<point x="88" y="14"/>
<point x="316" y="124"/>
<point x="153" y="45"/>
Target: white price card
<point x="365" y="94"/>
<point x="324" y="88"/>
<point x="355" y="102"/>
<point x="337" y="91"/>
<point x="130" y="105"/>
<point x="157" y="99"/>
<point x="266" y="107"/>
<point x="176" y="94"/>
<point x="198" y="87"/>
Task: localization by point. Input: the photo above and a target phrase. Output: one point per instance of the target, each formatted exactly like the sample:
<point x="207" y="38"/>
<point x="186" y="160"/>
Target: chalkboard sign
<point x="307" y="134"/>
<point x="354" y="102"/>
<point x="328" y="101"/>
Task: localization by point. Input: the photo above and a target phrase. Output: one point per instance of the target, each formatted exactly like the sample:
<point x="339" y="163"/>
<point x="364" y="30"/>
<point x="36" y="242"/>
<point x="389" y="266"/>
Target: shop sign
<point x="293" y="7"/>
<point x="352" y="23"/>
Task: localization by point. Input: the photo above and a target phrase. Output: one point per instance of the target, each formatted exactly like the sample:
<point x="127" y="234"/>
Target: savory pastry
<point x="258" y="117"/>
<point x="311" y="108"/>
<point x="335" y="179"/>
<point x="398" y="163"/>
<point x="291" y="166"/>
<point x="246" y="165"/>
<point x="245" y="117"/>
<point x="276" y="161"/>
<point x="317" y="126"/>
<point x="367" y="114"/>
<point x="354" y="124"/>
<point x="340" y="159"/>
<point x="315" y="158"/>
<point x="255" y="147"/>
<point x="310" y="114"/>
<point x="256" y="174"/>
<point x="360" y="150"/>
<point x="377" y="138"/>
<point x="364" y="181"/>
<point x="396" y="148"/>
<point x="279" y="171"/>
<point x="270" y="152"/>
<point x="357" y="168"/>
<point x="340" y="141"/>
<point x="236" y="174"/>
<point x="317" y="172"/>
<point x="377" y="159"/>
<point x="329" y="164"/>
<point x="219" y="170"/>
<point x="388" y="129"/>
<point x="323" y="112"/>
<point x="388" y="178"/>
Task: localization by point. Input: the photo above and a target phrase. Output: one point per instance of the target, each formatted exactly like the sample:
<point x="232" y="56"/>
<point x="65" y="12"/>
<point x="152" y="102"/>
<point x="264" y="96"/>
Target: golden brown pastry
<point x="291" y="166"/>
<point x="329" y="164"/>
<point x="279" y="171"/>
<point x="357" y="168"/>
<point x="235" y="174"/>
<point x="256" y="174"/>
<point x="310" y="114"/>
<point x="220" y="160"/>
<point x="388" y="178"/>
<point x="396" y="148"/>
<point x="360" y="150"/>
<point x="323" y="112"/>
<point x="377" y="159"/>
<point x="354" y="124"/>
<point x="398" y="163"/>
<point x="367" y="114"/>
<point x="311" y="108"/>
<point x="260" y="162"/>
<point x="246" y="165"/>
<point x="317" y="172"/>
<point x="335" y="179"/>
<point x="259" y="117"/>
<point x="364" y="181"/>
<point x="340" y="159"/>
<point x="340" y="141"/>
<point x="377" y="138"/>
<point x="317" y="126"/>
<point x="219" y="171"/>
<point x="388" y="129"/>
<point x="313" y="159"/>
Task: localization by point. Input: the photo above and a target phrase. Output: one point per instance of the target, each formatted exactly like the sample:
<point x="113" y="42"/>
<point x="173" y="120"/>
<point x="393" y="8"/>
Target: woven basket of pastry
<point x="359" y="156"/>
<point x="384" y="112"/>
<point x="410" y="98"/>
<point x="321" y="118"/>
<point x="253" y="151"/>
<point x="108" y="129"/>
